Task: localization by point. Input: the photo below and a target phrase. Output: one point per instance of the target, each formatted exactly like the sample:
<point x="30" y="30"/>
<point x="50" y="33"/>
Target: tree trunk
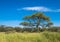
<point x="37" y="26"/>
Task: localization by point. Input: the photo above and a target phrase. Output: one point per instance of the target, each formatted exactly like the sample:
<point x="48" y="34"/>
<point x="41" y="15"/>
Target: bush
<point x="59" y="31"/>
<point x="18" y="29"/>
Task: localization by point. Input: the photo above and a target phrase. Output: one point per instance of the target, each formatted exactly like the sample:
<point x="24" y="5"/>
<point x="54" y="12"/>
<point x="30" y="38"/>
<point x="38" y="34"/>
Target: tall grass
<point x="30" y="37"/>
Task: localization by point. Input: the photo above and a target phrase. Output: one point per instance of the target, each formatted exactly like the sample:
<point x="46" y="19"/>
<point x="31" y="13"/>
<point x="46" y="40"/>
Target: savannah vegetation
<point x="30" y="37"/>
<point x="36" y="28"/>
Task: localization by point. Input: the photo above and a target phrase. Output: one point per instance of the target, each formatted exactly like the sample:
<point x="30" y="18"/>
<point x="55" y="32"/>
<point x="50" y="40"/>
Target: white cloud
<point x="41" y="9"/>
<point x="37" y="9"/>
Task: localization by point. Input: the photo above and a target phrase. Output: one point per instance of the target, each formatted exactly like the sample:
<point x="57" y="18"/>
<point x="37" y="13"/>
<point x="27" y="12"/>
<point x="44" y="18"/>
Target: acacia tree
<point x="41" y="19"/>
<point x="37" y="19"/>
<point x="49" y="24"/>
<point x="24" y="24"/>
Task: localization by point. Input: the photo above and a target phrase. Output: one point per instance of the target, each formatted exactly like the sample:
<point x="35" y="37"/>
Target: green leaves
<point x="24" y="23"/>
<point x="49" y="24"/>
<point x="35" y="19"/>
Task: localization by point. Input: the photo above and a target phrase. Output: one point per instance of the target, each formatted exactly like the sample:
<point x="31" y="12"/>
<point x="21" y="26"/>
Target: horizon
<point x="12" y="11"/>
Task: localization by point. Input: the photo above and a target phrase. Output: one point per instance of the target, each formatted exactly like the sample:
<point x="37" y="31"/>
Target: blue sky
<point x="12" y="11"/>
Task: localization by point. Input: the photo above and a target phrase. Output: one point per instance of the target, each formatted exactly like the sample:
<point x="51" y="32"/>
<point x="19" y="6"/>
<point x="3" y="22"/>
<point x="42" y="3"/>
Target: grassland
<point x="30" y="37"/>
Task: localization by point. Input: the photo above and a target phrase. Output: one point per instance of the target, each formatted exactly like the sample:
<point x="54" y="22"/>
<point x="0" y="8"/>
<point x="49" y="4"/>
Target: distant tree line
<point x="19" y="29"/>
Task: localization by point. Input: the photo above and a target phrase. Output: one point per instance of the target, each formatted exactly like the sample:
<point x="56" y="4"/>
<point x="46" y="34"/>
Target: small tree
<point x="24" y="24"/>
<point x="49" y="24"/>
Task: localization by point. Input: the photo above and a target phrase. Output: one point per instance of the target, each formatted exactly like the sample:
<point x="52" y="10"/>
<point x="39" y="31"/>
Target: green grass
<point x="30" y="37"/>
